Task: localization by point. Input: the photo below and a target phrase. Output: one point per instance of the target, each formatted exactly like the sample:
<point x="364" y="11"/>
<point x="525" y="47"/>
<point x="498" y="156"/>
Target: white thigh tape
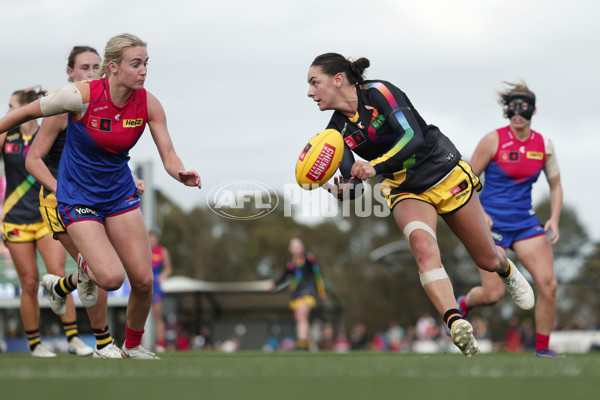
<point x="433" y="275"/>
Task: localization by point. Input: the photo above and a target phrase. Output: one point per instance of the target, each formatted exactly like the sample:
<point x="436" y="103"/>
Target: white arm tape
<point x="414" y="225"/>
<point x="58" y="101"/>
<point x="551" y="164"/>
<point x="433" y="275"/>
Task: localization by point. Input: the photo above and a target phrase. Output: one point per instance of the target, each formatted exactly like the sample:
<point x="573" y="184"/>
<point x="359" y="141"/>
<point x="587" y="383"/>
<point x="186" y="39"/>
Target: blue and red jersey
<point x="158" y="260"/>
<point x="94" y="168"/>
<point x="509" y="177"/>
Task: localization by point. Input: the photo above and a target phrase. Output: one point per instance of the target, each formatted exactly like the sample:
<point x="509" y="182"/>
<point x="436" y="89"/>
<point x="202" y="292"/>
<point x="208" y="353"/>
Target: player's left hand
<point x="552" y="225"/>
<point x="190" y="178"/>
<point x="362" y="170"/>
<point x="140" y="185"/>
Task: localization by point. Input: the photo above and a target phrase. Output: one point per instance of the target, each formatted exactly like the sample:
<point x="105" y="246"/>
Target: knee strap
<point x="414" y="225"/>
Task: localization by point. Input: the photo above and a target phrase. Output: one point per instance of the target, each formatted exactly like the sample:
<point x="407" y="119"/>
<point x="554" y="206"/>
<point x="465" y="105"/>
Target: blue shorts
<point x="70" y="213"/>
<point x="157" y="293"/>
<point x="505" y="239"/>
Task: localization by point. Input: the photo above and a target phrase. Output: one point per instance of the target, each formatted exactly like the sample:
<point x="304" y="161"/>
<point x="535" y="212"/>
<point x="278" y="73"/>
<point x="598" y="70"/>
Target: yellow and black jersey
<point x="52" y="160"/>
<point x="21" y="202"/>
<point x="305" y="275"/>
<point x="389" y="132"/>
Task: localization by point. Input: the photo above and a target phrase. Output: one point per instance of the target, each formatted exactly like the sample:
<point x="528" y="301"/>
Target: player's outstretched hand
<point x="338" y="188"/>
<point x="190" y="178"/>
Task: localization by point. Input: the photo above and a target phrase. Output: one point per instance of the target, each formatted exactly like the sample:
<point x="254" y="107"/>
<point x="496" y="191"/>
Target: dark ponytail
<point x="29" y="95"/>
<point x="333" y="63"/>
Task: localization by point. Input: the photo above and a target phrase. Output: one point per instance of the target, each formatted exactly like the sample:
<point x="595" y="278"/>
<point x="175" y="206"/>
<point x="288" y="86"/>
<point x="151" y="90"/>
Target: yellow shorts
<point x="303" y="301"/>
<point x="448" y="195"/>
<point x="24" y="233"/>
<point x="50" y="214"/>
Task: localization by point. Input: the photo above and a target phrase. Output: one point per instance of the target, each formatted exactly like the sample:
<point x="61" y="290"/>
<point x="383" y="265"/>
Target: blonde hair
<point x="115" y="48"/>
<point x="519" y="87"/>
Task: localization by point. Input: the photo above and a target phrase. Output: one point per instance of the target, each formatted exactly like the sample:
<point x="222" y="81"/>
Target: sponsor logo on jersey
<point x="497" y="236"/>
<point x="354" y="139"/>
<point x="450" y="157"/>
<point x="99" y="124"/>
<point x="12" y="148"/>
<point x="509" y="156"/>
<point x="459" y="188"/>
<point x="13" y="234"/>
<point x="131" y="123"/>
<point x="317" y="172"/>
<point x="535" y="155"/>
<point x="377" y="122"/>
<point x="83" y="211"/>
<point x="306" y="149"/>
<point x="12" y="137"/>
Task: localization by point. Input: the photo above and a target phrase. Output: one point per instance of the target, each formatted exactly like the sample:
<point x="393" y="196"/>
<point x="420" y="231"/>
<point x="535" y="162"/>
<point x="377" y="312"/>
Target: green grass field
<point x="290" y="376"/>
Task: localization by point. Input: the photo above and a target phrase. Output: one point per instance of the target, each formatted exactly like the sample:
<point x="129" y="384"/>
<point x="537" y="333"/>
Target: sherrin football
<point x="319" y="159"/>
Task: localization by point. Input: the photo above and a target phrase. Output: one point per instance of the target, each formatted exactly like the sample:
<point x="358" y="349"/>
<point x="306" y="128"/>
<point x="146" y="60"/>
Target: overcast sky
<point x="231" y="75"/>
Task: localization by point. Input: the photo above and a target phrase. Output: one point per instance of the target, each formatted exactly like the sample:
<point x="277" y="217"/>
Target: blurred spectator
<point x="203" y="341"/>
<point x="426" y="328"/>
<point x="379" y="342"/>
<point x="328" y="337"/>
<point x="358" y="337"/>
<point x="341" y="343"/>
<point x="395" y="334"/>
<point x="513" y="342"/>
<point x="528" y="334"/>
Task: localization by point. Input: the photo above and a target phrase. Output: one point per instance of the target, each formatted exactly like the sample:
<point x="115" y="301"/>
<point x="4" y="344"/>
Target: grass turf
<point x="307" y="376"/>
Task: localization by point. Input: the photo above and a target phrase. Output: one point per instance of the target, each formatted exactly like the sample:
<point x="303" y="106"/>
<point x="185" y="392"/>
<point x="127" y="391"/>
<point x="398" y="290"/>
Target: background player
<point x="97" y="196"/>
<point x="423" y="177"/>
<point x="24" y="232"/>
<point x="161" y="269"/>
<point x="307" y="281"/>
<point x="512" y="158"/>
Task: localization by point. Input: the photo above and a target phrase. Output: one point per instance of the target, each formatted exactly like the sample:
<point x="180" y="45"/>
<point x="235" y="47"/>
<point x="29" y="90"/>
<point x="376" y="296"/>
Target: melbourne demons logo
<point x="320" y="167"/>
<point x="99" y="124"/>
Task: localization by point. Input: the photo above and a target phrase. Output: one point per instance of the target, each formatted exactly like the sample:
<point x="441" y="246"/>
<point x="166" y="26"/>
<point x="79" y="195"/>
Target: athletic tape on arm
<point x="551" y="164"/>
<point x="57" y="101"/>
<point x="414" y="225"/>
<point x="433" y="275"/>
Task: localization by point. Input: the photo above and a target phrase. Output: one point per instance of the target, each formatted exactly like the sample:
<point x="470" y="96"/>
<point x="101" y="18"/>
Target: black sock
<point x="33" y="337"/>
<point x="452" y="316"/>
<point x="103" y="337"/>
<point x="65" y="286"/>
<point x="71" y="330"/>
<point x="507" y="273"/>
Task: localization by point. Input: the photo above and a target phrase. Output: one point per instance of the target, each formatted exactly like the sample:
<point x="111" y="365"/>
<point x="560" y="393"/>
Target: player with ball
<point x="422" y="176"/>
